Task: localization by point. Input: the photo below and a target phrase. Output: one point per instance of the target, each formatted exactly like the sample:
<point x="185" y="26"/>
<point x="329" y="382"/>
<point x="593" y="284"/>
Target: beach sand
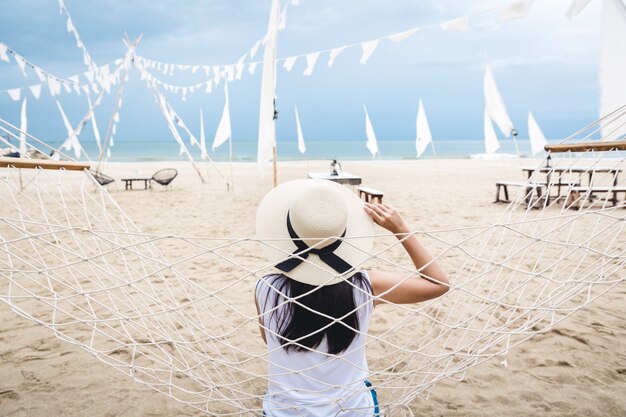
<point x="576" y="369"/>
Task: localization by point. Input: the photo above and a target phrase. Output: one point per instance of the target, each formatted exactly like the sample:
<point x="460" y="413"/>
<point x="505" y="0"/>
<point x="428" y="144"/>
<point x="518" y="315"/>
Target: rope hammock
<point x="71" y="260"/>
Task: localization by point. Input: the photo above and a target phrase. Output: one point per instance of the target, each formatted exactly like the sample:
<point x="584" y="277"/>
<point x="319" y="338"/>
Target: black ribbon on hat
<point x="326" y="254"/>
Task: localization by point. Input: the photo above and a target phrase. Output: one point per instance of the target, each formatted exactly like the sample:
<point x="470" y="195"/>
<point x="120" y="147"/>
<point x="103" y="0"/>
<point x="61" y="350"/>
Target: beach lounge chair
<point x="165" y="176"/>
<point x="101" y="178"/>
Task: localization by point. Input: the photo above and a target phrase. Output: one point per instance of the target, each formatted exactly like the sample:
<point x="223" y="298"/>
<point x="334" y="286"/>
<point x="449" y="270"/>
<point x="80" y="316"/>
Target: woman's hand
<point x="387" y="217"/>
<point x="398" y="288"/>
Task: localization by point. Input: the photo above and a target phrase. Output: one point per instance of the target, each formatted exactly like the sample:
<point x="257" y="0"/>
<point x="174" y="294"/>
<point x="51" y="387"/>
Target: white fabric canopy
<point x="372" y="144"/>
<point x="223" y="132"/>
<point x="495" y="104"/>
<point x="301" y="146"/>
<point x="423" y="131"/>
<point x="491" y="140"/>
<point x="537" y="139"/>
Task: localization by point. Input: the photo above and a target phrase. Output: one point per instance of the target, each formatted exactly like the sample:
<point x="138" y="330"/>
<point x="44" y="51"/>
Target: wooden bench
<point x="532" y="188"/>
<point x="574" y="197"/>
<point x="370" y="194"/>
<point x="128" y="182"/>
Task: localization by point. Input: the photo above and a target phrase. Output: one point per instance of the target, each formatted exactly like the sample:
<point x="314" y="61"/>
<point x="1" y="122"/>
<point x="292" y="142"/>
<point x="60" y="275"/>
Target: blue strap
<point x="374" y="398"/>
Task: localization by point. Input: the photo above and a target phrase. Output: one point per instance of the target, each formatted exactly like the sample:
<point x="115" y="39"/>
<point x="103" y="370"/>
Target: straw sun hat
<point x="320" y="221"/>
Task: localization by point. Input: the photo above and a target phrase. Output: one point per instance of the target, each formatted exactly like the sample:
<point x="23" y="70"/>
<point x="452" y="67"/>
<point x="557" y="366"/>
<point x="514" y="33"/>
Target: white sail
<point x="372" y="144"/>
<point x="223" y="132"/>
<point x="301" y="146"/>
<point x="423" y="131"/>
<point x="23" y="127"/>
<point x="537" y="139"/>
<point x="267" y="128"/>
<point x="612" y="64"/>
<point x="495" y="104"/>
<point x="491" y="140"/>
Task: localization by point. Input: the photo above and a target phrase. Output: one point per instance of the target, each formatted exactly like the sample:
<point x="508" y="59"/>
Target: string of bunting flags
<point x="79" y="43"/>
<point x="168" y="68"/>
<point x="231" y="72"/>
<point x="100" y="79"/>
<point x="96" y="79"/>
<point x="514" y="10"/>
<point x="99" y="76"/>
<point x="172" y="118"/>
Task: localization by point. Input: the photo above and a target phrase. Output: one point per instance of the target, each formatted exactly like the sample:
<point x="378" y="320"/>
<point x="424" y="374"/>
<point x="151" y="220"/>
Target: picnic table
<point x="561" y="171"/>
<point x="128" y="182"/>
<point x="341" y="178"/>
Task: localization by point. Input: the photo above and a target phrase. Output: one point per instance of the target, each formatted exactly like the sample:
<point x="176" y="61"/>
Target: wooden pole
<point x="42" y="164"/>
<point x="617" y="145"/>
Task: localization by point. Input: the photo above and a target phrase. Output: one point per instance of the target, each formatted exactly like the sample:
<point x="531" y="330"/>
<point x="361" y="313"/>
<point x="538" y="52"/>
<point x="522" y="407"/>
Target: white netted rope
<point x="74" y="262"/>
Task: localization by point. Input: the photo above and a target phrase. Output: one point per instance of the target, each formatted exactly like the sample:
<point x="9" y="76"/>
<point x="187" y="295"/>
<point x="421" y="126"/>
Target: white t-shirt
<point x="314" y="383"/>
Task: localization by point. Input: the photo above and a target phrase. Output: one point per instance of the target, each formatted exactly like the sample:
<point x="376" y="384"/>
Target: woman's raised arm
<point x="432" y="281"/>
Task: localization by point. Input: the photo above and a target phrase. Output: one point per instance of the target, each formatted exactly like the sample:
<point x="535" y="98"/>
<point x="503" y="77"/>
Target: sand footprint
<point x="9" y="394"/>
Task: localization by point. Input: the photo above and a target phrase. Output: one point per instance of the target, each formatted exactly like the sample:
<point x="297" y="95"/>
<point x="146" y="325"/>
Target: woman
<point x="314" y="309"/>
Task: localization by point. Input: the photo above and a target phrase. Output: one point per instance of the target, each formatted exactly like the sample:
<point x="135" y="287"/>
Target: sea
<point x="245" y="151"/>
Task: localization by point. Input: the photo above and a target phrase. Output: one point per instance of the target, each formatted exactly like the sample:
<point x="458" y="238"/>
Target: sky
<point x="544" y="63"/>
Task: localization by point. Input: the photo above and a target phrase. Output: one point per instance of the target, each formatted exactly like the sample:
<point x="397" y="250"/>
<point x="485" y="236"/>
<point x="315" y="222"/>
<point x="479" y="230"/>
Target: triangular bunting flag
<point x="368" y="50"/>
<point x="334" y="54"/>
<point x="14" y="93"/>
<point x="458" y="25"/>
<point x="289" y="62"/>
<point x="311" y="59"/>
<point x="399" y="37"/>
<point x="515" y="10"/>
<point x="35" y="90"/>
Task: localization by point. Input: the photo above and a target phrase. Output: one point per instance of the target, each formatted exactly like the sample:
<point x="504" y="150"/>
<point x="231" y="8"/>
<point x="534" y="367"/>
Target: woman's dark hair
<point x="299" y="327"/>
